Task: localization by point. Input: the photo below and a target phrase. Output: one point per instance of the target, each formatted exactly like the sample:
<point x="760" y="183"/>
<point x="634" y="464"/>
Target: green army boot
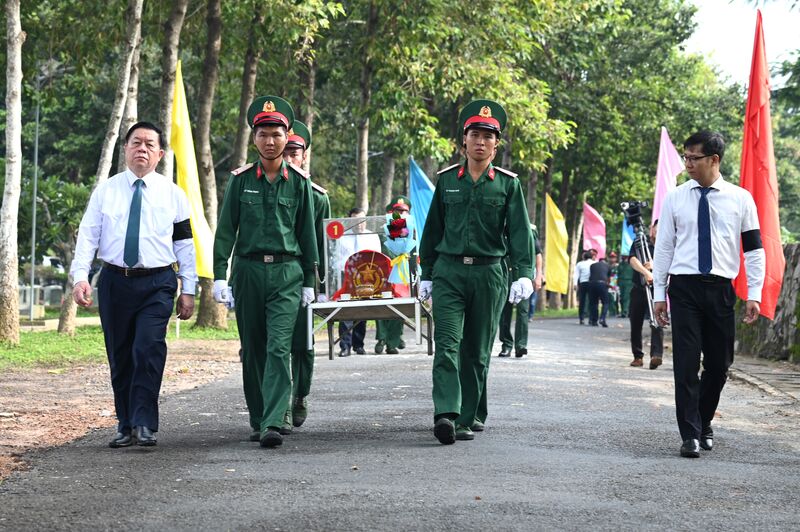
<point x="299" y="411"/>
<point x="464" y="433"/>
<point x="286" y="427"/>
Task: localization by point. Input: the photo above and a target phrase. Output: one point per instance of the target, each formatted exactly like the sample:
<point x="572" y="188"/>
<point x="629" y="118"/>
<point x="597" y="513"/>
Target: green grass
<point x="52" y="313"/>
<point x="557" y="313"/>
<point x="52" y="350"/>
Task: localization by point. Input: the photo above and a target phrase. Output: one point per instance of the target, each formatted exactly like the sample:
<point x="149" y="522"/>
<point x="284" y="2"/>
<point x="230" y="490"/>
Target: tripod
<point x="642" y="251"/>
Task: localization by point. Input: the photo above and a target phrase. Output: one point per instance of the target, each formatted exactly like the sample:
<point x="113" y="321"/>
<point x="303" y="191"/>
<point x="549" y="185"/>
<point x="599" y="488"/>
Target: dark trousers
<point x="134" y="313"/>
<point x="598" y="294"/>
<point x="583" y="299"/>
<point x="702" y="321"/>
<point x="352" y="336"/>
<point x="639" y="311"/>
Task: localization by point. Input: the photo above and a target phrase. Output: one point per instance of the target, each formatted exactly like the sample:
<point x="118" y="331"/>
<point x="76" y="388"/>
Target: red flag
<point x="758" y="176"/>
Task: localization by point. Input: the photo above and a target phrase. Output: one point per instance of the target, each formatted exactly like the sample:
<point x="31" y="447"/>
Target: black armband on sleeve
<point x="182" y="230"/>
<point x="751" y="240"/>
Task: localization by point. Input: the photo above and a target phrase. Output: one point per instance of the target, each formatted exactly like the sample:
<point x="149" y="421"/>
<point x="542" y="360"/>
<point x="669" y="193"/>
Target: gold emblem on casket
<point x="368" y="280"/>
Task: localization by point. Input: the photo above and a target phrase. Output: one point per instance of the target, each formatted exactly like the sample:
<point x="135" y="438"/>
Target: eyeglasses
<point x="689" y="159"/>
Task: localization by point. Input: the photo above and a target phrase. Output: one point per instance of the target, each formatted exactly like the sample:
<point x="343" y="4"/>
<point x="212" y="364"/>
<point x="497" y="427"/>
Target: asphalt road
<point x="576" y="440"/>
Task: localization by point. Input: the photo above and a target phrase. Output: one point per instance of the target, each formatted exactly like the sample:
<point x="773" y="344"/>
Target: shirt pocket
<point x="493" y="211"/>
<point x="729" y="226"/>
<point x="251" y="210"/>
<point x="287" y="209"/>
<point x="161" y="221"/>
<point x="455" y="208"/>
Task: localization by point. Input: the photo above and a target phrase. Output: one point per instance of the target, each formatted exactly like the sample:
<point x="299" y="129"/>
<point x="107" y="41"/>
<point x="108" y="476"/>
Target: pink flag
<point x="669" y="166"/>
<point x="594" y="231"/>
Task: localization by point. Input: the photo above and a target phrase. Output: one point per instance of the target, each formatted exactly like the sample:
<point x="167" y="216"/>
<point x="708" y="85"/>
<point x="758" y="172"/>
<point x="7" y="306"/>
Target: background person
<point x="580" y="280"/>
<point x="138" y="223"/>
<point x="640" y="309"/>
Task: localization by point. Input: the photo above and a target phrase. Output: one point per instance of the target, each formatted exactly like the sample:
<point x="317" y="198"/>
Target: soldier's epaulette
<point x="318" y="188"/>
<point x="440" y="172"/>
<point x="509" y="173"/>
<point x="242" y="168"/>
<point x="300" y="171"/>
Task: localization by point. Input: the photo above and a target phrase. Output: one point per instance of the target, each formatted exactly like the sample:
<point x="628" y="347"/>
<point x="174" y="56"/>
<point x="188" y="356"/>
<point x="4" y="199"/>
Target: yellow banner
<point x="556" y="259"/>
<point x="187" y="178"/>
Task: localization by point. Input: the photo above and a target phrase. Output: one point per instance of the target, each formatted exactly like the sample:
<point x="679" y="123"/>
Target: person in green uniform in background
<point x="625" y="283"/>
<point x="267" y="221"/>
<point x="389" y="333"/>
<point x="474" y="205"/>
<point x="296" y="153"/>
<point x="519" y="341"/>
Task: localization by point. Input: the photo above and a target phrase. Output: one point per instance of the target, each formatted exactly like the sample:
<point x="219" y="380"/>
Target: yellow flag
<point x="186" y="169"/>
<point x="556" y="262"/>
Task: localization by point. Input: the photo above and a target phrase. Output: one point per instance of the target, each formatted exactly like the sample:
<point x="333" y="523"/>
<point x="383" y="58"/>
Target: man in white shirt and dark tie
<point x="138" y="224"/>
<point x="704" y="223"/>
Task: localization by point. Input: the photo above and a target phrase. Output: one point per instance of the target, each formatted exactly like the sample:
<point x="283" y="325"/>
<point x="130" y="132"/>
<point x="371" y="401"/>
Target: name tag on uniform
<point x="452" y="190"/>
<point x="252" y="191"/>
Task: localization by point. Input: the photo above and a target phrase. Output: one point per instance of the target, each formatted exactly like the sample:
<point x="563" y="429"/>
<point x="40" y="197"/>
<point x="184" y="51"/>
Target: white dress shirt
<point x="105" y="224"/>
<point x="732" y="212"/>
<point x="582" y="271"/>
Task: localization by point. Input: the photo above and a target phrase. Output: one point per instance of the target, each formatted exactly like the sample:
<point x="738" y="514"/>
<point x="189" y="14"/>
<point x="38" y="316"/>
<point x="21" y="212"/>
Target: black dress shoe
<point x="360" y="351"/>
<point x="521" y="353"/>
<point x="401" y="345"/>
<point x="445" y="431"/>
<point x="707" y="439"/>
<point x="505" y="352"/>
<point x="392" y="351"/>
<point x="344" y="353"/>
<point x="121" y="439"/>
<point x="379" y="347"/>
<point x="690" y="448"/>
<point x="144" y="436"/>
<point x="604" y="324"/>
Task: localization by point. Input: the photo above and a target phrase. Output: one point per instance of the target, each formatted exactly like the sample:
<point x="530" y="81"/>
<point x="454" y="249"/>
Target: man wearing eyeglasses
<point x="704" y="224"/>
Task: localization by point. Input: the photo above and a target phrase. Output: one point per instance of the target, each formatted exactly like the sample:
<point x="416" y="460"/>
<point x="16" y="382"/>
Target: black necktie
<point x="704" y="233"/>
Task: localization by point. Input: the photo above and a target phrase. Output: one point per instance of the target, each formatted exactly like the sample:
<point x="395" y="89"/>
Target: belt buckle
<point x="469" y="260"/>
<point x="125" y="272"/>
<point x="269" y="259"/>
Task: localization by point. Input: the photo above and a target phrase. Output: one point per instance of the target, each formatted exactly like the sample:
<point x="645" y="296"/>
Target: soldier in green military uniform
<point x="389" y="333"/>
<point x="519" y="341"/>
<point x="267" y="221"/>
<point x="473" y="206"/>
<point x="296" y="153"/>
<point x="625" y="282"/>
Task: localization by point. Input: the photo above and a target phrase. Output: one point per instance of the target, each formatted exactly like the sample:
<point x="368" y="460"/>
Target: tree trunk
<point x="129" y="117"/>
<point x="546" y="187"/>
<point x="429" y="167"/>
<point x="210" y="314"/>
<point x="308" y="80"/>
<point x="577" y="227"/>
<point x="9" y="260"/>
<point x="67" y="316"/>
<point x="362" y="177"/>
<point x="533" y="183"/>
<point x="249" y="73"/>
<point x="169" y="64"/>
<point x="133" y="22"/>
<point x="389" y="164"/>
<point x="506" y="162"/>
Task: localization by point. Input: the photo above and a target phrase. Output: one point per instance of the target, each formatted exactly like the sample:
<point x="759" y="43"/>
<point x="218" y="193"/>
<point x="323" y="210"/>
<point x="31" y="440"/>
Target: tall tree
<point x="9" y="259"/>
<point x="169" y="63"/>
<point x="133" y="24"/>
<point x="249" y="73"/>
<point x="362" y="178"/>
<point x="211" y="313"/>
<point x="131" y="112"/>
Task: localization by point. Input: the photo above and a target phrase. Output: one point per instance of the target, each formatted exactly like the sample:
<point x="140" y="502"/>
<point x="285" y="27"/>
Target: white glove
<point x="221" y="291"/>
<point x="521" y="289"/>
<point x="306" y="296"/>
<point x="425" y="290"/>
<point x="229" y="304"/>
<point x="322" y="298"/>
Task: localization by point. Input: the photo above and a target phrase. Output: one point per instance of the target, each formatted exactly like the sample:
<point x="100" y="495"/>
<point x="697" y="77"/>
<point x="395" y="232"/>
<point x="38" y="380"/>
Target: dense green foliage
<point x="587" y="84"/>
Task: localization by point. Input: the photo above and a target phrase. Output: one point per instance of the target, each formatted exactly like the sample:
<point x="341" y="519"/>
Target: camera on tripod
<point x="633" y="212"/>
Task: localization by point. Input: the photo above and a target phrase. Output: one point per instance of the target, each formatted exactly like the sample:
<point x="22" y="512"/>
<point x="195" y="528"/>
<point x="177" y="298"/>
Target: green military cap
<point x="483" y="114"/>
<point x="270" y="111"/>
<point x="399" y="202"/>
<point x="299" y="136"/>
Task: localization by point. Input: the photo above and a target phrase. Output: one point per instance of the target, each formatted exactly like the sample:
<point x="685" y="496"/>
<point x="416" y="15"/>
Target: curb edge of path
<point x="762" y="385"/>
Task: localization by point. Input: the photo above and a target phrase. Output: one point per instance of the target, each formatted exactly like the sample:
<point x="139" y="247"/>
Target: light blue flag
<point x="627" y="238"/>
<point x="421" y="194"/>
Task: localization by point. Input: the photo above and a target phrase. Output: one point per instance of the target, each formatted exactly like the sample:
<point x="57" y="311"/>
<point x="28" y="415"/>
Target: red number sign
<point x="335" y="230"/>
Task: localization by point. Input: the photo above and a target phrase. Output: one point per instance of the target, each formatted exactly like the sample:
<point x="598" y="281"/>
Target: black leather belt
<point x="474" y="261"/>
<point x="706" y="278"/>
<point x="270" y="259"/>
<point x="136" y="272"/>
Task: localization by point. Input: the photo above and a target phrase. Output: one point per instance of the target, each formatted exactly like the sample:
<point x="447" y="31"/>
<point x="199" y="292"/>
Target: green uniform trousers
<point x="625" y="297"/>
<point x="267" y="298"/>
<point x="390" y="331"/>
<point x="302" y="357"/>
<point x="483" y="405"/>
<point x="520" y="338"/>
<point x="465" y="312"/>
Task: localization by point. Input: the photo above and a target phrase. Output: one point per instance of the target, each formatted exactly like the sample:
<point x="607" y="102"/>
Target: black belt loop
<point x="269" y="259"/>
<point x="137" y="272"/>
<point x="474" y="261"/>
